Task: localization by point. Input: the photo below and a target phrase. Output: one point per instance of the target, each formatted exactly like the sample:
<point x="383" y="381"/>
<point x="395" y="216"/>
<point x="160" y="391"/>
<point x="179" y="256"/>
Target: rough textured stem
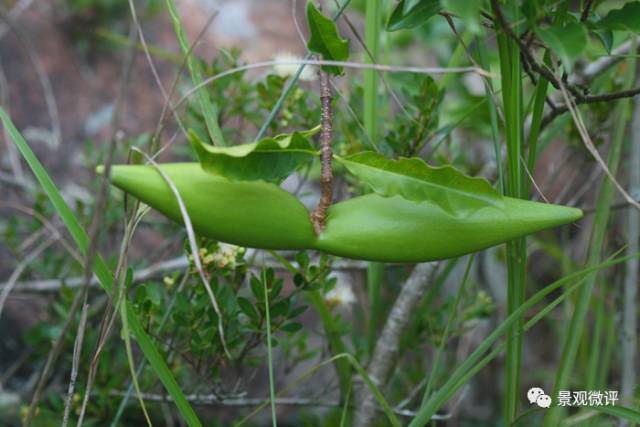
<point x="629" y="322"/>
<point x="386" y="350"/>
<point x="318" y="216"/>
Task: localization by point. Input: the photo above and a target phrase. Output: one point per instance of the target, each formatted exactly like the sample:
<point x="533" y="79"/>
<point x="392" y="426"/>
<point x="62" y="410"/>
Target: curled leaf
<point x="413" y="179"/>
<point x="270" y="159"/>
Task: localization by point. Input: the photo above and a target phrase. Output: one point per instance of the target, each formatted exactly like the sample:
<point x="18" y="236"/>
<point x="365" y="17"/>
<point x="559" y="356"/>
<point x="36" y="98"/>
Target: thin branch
<point x="11" y="283"/>
<point x="388" y="345"/>
<point x="109" y="316"/>
<point x="161" y="268"/>
<point x="584" y="134"/>
<point x="589" y="99"/>
<point x="586" y="10"/>
<point x="319" y="214"/>
<point x="46" y="224"/>
<point x="77" y="351"/>
<point x="214" y="400"/>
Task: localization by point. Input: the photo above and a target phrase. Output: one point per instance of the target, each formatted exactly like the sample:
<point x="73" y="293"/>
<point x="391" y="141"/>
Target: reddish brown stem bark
<point x="319" y="214"/>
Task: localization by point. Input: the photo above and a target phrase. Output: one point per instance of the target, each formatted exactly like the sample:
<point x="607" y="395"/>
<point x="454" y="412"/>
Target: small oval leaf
<point x="247" y="308"/>
<point x="291" y="327"/>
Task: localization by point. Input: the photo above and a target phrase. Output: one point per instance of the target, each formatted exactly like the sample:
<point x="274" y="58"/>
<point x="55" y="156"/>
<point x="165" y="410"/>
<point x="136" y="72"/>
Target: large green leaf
<point x="104" y="275"/>
<point x="567" y="42"/>
<point x="325" y="39"/>
<point x="627" y="18"/>
<point x="270" y="159"/>
<point x="413" y="179"/>
<point x="404" y="17"/>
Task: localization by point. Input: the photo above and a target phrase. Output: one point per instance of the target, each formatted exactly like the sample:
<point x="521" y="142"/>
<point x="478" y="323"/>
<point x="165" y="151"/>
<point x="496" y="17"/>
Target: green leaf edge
<point x="493" y="197"/>
<point x="207" y="152"/>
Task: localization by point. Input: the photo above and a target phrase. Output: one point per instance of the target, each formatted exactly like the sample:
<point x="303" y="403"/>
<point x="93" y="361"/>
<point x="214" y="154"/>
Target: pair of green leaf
<point x="273" y="159"/>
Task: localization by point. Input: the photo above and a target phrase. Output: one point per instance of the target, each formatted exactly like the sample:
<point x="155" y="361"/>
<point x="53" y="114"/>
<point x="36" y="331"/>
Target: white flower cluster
<point x="288" y="67"/>
<point x="224" y="256"/>
<point x="340" y="295"/>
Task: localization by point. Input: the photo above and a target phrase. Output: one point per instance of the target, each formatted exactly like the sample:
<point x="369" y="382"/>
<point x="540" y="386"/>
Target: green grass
<point x="272" y="387"/>
<point x="375" y="270"/>
<point x="479" y="357"/>
<point x="576" y="327"/>
<point x="512" y="100"/>
<point x="104" y="275"/>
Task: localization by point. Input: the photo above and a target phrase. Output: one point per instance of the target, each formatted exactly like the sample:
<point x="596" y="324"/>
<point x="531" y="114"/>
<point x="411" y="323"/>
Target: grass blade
<point x="576" y="326"/>
<point x="105" y="277"/>
<point x="445" y="335"/>
<point x="375" y="271"/>
<point x="511" y="73"/>
<point x="461" y="374"/>
<point x="620" y="412"/>
<point x="272" y="390"/>
<point x="209" y="109"/>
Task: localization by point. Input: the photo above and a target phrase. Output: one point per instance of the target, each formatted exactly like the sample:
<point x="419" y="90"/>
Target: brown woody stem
<point x="319" y="214"/>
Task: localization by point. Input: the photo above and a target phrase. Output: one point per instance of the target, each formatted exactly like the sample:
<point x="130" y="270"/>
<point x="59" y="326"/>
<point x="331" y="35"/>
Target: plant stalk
<point x="375" y="271"/>
<point x="511" y="72"/>
<point x="319" y="214"/>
